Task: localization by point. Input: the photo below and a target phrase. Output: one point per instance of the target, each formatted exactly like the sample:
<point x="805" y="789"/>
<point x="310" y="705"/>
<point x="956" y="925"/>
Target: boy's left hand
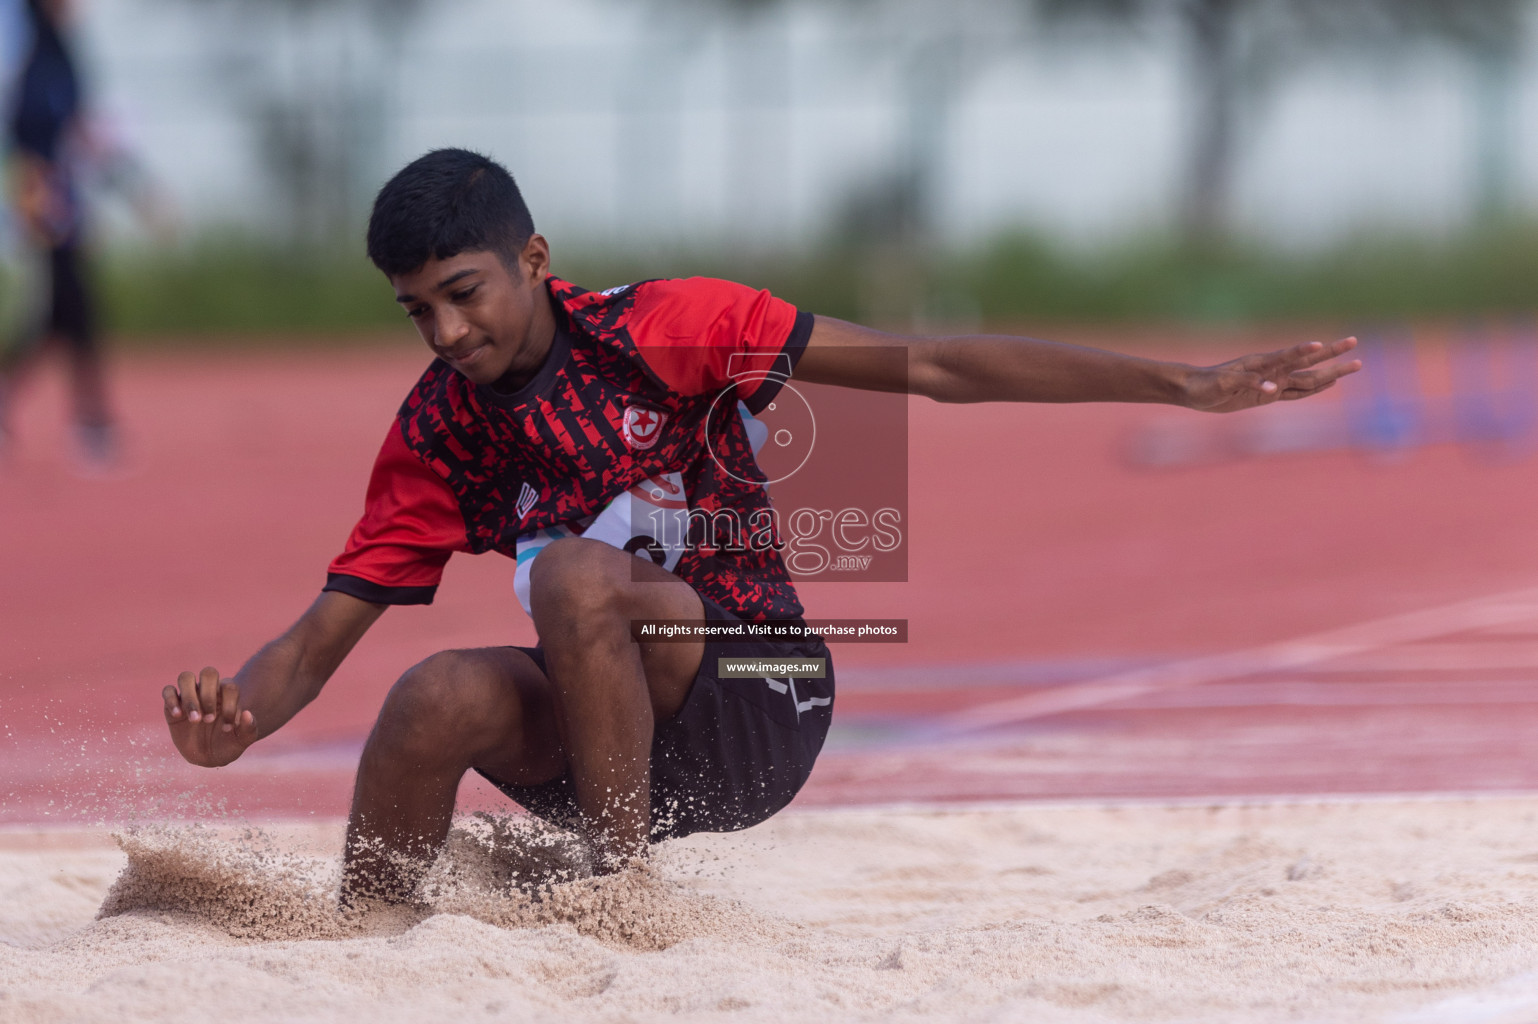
<point x="207" y="723"/>
<point x="1284" y="375"/>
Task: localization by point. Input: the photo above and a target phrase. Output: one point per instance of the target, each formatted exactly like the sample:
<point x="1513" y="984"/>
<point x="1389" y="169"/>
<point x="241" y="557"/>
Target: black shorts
<point x="736" y="752"/>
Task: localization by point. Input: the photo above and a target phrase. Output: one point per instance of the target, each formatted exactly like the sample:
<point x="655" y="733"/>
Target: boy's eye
<point x="463" y="294"/>
<point x="416" y="312"/>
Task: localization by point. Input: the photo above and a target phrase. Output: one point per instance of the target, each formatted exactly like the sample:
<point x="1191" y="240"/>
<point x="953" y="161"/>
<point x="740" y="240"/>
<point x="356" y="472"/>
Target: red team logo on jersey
<point x="643" y="426"/>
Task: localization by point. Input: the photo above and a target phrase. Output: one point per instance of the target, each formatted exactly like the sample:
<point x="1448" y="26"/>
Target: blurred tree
<point x="1238" y="49"/>
<point x="756" y="97"/>
<point x="1491" y="35"/>
<point x="317" y="80"/>
<point x="652" y="95"/>
<point x="932" y="51"/>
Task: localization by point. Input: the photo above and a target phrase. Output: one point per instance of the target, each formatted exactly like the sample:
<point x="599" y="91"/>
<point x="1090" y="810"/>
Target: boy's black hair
<point x="444" y="203"/>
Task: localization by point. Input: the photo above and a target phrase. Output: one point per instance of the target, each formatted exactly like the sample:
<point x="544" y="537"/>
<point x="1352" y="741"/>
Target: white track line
<point x="1258" y="801"/>
<point x="1440" y="657"/>
<point x="1479" y="613"/>
<point x="1308" y="693"/>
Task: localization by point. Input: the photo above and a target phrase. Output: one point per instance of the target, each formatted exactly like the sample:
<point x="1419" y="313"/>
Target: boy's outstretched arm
<point x="994" y="368"/>
<point x="213" y="721"/>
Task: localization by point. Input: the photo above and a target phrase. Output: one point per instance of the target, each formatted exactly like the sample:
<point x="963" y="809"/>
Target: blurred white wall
<point x="629" y="125"/>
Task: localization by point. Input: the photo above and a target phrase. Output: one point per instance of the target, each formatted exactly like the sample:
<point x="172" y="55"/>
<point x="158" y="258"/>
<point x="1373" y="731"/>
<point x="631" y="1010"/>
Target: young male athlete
<point x="552" y="424"/>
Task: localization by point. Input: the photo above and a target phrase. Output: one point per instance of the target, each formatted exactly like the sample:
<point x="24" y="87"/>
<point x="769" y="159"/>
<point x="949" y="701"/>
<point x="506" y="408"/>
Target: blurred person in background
<point x="53" y="147"/>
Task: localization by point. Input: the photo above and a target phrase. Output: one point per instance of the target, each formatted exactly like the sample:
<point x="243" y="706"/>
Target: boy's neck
<point x="542" y="341"/>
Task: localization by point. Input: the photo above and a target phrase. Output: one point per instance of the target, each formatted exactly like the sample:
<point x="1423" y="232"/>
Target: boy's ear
<point x="535" y="258"/>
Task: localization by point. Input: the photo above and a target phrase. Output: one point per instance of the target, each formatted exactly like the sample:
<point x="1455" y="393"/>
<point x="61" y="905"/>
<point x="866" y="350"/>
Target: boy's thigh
<point x="735" y="753"/>
<point x="644" y="591"/>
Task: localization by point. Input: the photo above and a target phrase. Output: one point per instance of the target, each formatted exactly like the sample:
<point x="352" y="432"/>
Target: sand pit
<point x="1420" y="910"/>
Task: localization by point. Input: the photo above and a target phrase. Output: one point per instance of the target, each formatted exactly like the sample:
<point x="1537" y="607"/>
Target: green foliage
<point x="1382" y="276"/>
<point x="251" y="294"/>
<point x="828" y="281"/>
<point x="231" y="288"/>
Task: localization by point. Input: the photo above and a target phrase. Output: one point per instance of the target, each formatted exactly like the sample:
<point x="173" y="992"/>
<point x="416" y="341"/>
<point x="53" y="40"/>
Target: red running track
<point x="1041" y="566"/>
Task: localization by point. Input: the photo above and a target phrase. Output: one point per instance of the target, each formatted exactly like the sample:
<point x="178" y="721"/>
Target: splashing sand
<point x="508" y="872"/>
<point x="1388" y="911"/>
<point x="246" y="887"/>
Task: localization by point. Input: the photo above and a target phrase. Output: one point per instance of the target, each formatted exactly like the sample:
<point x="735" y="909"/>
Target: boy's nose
<point x="451" y="329"/>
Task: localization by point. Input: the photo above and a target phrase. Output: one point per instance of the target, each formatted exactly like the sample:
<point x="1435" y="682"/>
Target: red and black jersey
<point x="639" y="423"/>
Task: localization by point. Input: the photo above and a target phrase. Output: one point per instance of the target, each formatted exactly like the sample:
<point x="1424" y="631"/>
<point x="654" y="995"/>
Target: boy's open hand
<point x="207" y="723"/>
<point x="1280" y="376"/>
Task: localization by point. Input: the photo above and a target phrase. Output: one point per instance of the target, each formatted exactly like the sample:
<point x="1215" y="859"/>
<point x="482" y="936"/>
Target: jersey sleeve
<point x="700" y="335"/>
<point x="411" y="525"/>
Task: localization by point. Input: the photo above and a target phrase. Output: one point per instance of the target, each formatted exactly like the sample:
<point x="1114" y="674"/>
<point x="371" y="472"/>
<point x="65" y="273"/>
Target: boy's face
<point x="480" y="316"/>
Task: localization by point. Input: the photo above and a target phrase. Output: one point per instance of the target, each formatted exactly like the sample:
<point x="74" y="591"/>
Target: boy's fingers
<point x="1315" y="352"/>
<point x="208" y="691"/>
<point x="1312" y="379"/>
<point x="187" y="685"/>
<point x="245" y="728"/>
<point x="1310" y="353"/>
<point x="173" y="698"/>
<point x="1293" y="394"/>
<point x="1296" y="358"/>
<point x="229" y="705"/>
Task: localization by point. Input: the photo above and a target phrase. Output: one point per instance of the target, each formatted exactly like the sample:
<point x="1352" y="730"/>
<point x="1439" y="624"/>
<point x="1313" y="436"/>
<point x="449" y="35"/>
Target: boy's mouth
<point x="465" y="357"/>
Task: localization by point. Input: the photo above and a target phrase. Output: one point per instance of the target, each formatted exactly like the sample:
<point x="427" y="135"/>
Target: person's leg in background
<point x="73" y="318"/>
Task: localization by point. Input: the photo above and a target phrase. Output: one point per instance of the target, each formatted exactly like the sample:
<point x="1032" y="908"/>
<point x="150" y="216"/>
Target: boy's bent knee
<point x="577" y="578"/>
<point x="442" y="706"/>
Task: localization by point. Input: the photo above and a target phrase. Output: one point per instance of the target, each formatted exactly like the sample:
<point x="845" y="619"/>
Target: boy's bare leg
<point x="490" y="709"/>
<point x="610" y="690"/>
<point x="493" y="709"/>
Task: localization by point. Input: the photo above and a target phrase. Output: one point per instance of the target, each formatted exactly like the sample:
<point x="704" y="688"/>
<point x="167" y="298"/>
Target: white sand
<point x="1350" y="911"/>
